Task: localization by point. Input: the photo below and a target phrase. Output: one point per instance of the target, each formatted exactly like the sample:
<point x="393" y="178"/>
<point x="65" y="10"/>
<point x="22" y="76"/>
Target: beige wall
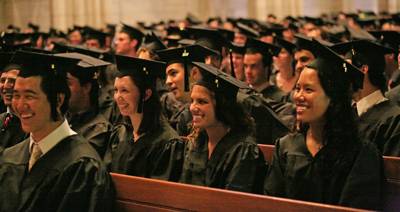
<point x="62" y="14"/>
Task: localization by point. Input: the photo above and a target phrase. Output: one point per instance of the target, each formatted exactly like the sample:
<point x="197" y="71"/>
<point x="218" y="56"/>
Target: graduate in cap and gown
<point x="325" y="160"/>
<point x="11" y="132"/>
<point x="221" y="152"/>
<point x="147" y="146"/>
<point x="83" y="114"/>
<point x="378" y="117"/>
<point x="179" y="75"/>
<point x="54" y="169"/>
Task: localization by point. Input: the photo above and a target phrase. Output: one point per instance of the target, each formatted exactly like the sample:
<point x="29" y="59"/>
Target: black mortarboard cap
<point x="192" y="19"/>
<point x="38" y="64"/>
<point x="153" y="43"/>
<point x="328" y="60"/>
<point x="247" y="31"/>
<point x="34" y="27"/>
<point x="360" y="34"/>
<point x="229" y="35"/>
<point x="289" y="46"/>
<point x="14" y="47"/>
<point x="97" y="35"/>
<point x="14" y="38"/>
<point x="364" y="22"/>
<point x="238" y="48"/>
<point x="184" y="55"/>
<point x="336" y="33"/>
<point x="97" y="53"/>
<point x="304" y="42"/>
<point x="262" y="47"/>
<point x="142" y="69"/>
<point x="210" y="38"/>
<point x="87" y="68"/>
<point x="132" y="32"/>
<point x="272" y="30"/>
<point x="37" y="50"/>
<point x="5" y="58"/>
<point x="219" y="82"/>
<point x="314" y="20"/>
<point x="86" y="61"/>
<point x="388" y="38"/>
<point x="361" y="46"/>
<point x="211" y="19"/>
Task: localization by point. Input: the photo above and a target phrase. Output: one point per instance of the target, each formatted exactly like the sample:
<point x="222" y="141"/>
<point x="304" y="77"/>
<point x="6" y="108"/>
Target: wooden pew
<point x="142" y="194"/>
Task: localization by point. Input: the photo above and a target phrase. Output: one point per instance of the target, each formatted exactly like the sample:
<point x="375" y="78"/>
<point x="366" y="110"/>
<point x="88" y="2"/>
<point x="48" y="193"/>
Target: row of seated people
<point x="137" y="193"/>
<point x="323" y="161"/>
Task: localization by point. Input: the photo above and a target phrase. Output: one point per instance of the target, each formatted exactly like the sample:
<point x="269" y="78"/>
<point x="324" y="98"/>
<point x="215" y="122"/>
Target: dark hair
<point x="266" y="60"/>
<point x="52" y="84"/>
<point x="87" y="77"/>
<point x="376" y="67"/>
<point x="232" y="114"/>
<point x="340" y="135"/>
<point x="132" y="37"/>
<point x="151" y="107"/>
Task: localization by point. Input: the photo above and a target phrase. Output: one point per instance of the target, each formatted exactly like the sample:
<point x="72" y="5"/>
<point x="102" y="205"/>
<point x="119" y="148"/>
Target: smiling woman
<point x="221" y="152"/>
<point x="147" y="146"/>
<point x="325" y="160"/>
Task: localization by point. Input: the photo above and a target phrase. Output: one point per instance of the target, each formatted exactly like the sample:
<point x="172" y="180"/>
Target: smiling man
<point x="55" y="169"/>
<point x="10" y="127"/>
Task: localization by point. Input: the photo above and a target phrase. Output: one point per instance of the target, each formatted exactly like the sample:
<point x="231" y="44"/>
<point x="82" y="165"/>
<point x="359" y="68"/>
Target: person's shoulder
<point x="292" y="142"/>
<point x="14" y="153"/>
<point x="381" y="112"/>
<point x="76" y="147"/>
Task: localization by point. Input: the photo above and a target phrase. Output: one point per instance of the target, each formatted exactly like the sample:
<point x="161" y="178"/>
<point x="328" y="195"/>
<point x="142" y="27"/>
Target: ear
<point x="195" y="74"/>
<point x="148" y="94"/>
<point x="364" y="69"/>
<point x="60" y="101"/>
<point x="133" y="43"/>
<point x="86" y="87"/>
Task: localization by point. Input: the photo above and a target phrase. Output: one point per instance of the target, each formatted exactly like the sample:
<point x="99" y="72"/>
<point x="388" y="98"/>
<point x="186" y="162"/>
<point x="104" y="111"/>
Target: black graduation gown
<point x="157" y="154"/>
<point x="184" y="124"/>
<point x="70" y="177"/>
<point x="269" y="126"/>
<point x="394" y="95"/>
<point x="3" y="107"/>
<point x="354" y="180"/>
<point x="381" y="125"/>
<point x="235" y="164"/>
<point x="94" y="127"/>
<point x="171" y="108"/>
<point x="274" y="93"/>
<point x="12" y="133"/>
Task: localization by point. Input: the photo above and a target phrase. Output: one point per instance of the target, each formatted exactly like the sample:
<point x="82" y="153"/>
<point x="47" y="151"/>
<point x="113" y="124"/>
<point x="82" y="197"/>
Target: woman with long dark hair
<point x="221" y="152"/>
<point x="148" y="146"/>
<point x="324" y="160"/>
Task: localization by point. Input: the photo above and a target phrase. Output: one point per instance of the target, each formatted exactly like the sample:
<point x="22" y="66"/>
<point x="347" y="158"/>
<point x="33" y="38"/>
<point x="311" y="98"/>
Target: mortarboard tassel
<point x="231" y="61"/>
<point x="185" y="55"/>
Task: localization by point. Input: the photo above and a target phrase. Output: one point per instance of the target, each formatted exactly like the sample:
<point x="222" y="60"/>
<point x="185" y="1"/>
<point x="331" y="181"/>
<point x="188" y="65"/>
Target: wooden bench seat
<point x="142" y="194"/>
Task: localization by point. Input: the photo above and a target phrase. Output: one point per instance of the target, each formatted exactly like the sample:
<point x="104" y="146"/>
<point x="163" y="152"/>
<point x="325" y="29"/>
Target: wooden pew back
<point x="141" y="194"/>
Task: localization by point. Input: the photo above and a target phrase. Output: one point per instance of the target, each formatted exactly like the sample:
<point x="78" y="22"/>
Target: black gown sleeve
<point x="363" y="187"/>
<point x="248" y="169"/>
<point x="274" y="184"/>
<point x="168" y="161"/>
